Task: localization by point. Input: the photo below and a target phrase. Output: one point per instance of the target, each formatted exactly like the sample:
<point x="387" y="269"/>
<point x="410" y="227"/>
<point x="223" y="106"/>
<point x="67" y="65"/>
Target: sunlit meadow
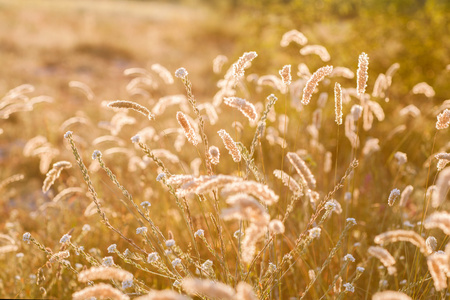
<point x="224" y="150"/>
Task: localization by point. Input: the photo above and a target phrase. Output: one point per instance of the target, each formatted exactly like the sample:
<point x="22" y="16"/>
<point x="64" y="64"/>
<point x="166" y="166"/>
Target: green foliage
<point x="414" y="33"/>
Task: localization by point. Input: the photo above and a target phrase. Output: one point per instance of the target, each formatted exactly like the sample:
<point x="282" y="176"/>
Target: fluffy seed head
<point x="361" y="74"/>
<point x="442" y="186"/>
<point x="68" y="134"/>
<point x="131" y="105"/>
<point x="127" y="284"/>
<point x="187" y="128"/>
<point x="181" y="73"/>
<point x="356" y="111"/>
<point x="285" y="74"/>
<point x="100" y="291"/>
<point x="215" y="182"/>
<point x="443" y="155"/>
<point x="272" y="81"/>
<point x="293" y="36"/>
<point x="162" y="295"/>
<point x="218" y="62"/>
<point x="245" y="207"/>
<point x="96" y="154"/>
<point x="11" y="179"/>
<point x="431" y="243"/>
<point x="244" y="291"/>
<point x="62" y="165"/>
<point x="112" y="248"/>
<point x="176" y="262"/>
<point x="381" y="84"/>
<point x="104" y="273"/>
<point x="59" y="256"/>
<point x="313" y="82"/>
<point x="54" y="173"/>
<point x="319" y="50"/>
<point x="207" y="264"/>
<point x="343" y="72"/>
<point x="204" y="184"/>
<point x="245" y="107"/>
<point x="214" y="155"/>
<point x="170" y="243"/>
<point x="160" y="176"/>
<point x="442" y="163"/>
<point x="259" y="190"/>
<point x="390" y="295"/>
<point x="152" y="257"/>
<point x="84" y="88"/>
<point x="423" y="88"/>
<point x="199" y="232"/>
<point x="410" y="110"/>
<point x="141" y="230"/>
<point x="439" y="220"/>
<point x="65" y="238"/>
<point x="311" y="274"/>
<point x="328" y="162"/>
<point x="349" y="287"/>
<point x="443" y="119"/>
<point x="382" y="254"/>
<point x="135" y="139"/>
<point x="276" y="227"/>
<point x="10" y="248"/>
<point x="288" y="181"/>
<point x="402" y="235"/>
<point x="393" y="196"/>
<point x="338" y="285"/>
<point x="163" y="73"/>
<point x="338" y="103"/>
<point x="242" y="63"/>
<point x="443" y="160"/>
<point x="438" y="267"/>
<point x="208" y="288"/>
<point x="401" y="158"/>
<point x="314" y="232"/>
<point x="371" y="146"/>
<point x="108" y="261"/>
<point x="230" y="145"/>
<point x="349" y="257"/>
<point x="351" y="221"/>
<point x="252" y="234"/>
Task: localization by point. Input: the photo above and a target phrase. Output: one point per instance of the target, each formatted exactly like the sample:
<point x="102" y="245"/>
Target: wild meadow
<point x="215" y="150"/>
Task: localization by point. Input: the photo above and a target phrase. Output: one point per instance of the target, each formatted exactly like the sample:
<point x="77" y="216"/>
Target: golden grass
<point x="293" y="210"/>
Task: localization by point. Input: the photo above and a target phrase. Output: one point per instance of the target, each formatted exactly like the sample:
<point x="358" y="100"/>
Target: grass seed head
<point x="361" y="74"/>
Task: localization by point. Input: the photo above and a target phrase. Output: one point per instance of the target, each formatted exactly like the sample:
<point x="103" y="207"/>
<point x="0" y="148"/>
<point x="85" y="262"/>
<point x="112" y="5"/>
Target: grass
<point x="142" y="197"/>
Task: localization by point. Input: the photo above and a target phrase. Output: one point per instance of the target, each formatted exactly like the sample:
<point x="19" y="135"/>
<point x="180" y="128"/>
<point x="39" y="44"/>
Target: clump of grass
<point x="165" y="218"/>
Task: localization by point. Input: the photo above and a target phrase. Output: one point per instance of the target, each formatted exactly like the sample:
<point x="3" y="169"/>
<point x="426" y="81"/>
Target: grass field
<point x="189" y="149"/>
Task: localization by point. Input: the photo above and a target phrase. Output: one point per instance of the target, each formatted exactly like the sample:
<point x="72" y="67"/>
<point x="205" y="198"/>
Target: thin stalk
<point x="333" y="252"/>
<point x="93" y="193"/>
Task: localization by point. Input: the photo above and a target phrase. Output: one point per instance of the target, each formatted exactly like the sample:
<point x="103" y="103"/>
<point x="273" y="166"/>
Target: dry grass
<point x="296" y="206"/>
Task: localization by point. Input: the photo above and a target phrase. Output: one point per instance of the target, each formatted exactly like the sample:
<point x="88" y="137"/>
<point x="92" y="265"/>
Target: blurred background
<point x="50" y="42"/>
